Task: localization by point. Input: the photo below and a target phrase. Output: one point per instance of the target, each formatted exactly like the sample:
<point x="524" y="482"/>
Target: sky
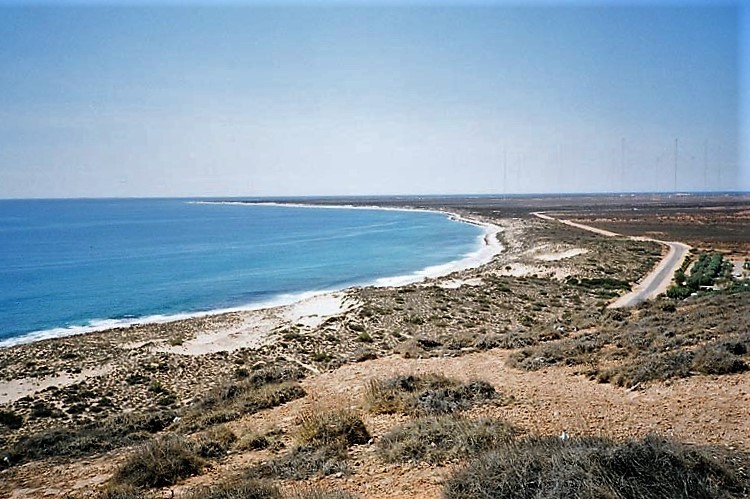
<point x="140" y="99"/>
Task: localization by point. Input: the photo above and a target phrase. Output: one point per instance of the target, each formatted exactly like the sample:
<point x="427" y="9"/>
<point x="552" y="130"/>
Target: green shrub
<point x="718" y="359"/>
<point x="118" y="431"/>
<point x="677" y="364"/>
<point x="160" y="463"/>
<point x="10" y="419"/>
<point x="318" y="493"/>
<point x="364" y="337"/>
<point x="650" y="468"/>
<point x="679" y="292"/>
<point x="236" y="488"/>
<point x="427" y="394"/>
<point x="439" y="439"/>
<point x="304" y="462"/>
<point x="215" y="442"/>
<point x="324" y="428"/>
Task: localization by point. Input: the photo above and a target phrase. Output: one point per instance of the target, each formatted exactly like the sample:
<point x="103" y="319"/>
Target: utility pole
<point x="622" y="164"/>
<point x="505" y="170"/>
<point x="676" y="143"/>
<point x="705" y="165"/>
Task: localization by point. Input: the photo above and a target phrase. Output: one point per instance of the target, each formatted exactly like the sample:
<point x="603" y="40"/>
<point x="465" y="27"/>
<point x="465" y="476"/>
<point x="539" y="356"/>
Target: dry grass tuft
<point x="160" y="463"/>
<point x="436" y="440"/>
<point x="650" y="468"/>
<point x="319" y="428"/>
<point x="324" y="438"/>
<point x="424" y="395"/>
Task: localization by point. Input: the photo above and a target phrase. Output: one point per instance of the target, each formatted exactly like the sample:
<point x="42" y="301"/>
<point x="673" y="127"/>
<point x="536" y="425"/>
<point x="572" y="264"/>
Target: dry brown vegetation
<point x="657" y="341"/>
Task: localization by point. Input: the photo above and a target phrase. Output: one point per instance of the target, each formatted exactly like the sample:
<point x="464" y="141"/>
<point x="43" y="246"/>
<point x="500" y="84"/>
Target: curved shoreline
<point x="489" y="246"/>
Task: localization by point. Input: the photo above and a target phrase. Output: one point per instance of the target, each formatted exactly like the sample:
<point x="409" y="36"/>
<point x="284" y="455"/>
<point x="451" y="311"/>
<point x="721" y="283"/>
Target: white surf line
<point x="656" y="282"/>
<point x="483" y="255"/>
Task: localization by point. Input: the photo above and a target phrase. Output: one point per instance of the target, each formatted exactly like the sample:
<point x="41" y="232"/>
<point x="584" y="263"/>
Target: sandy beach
<point x="252" y="326"/>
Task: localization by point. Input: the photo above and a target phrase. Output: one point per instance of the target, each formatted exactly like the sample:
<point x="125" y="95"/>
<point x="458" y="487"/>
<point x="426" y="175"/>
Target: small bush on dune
<point x="664" y="366"/>
<point x="10" y="419"/>
<point x="719" y="359"/>
<point x="160" y="463"/>
<point x="427" y="394"/>
<point x="232" y="401"/>
<point x="321" y="428"/>
<point x="122" y="492"/>
<point x="318" y="493"/>
<point x="118" y="431"/>
<point x="439" y="439"/>
<point x="239" y="488"/>
<point x="454" y="398"/>
<point x="277" y="374"/>
<point x="236" y="488"/>
<point x="215" y="442"/>
<point x="650" y="468"/>
<point x="253" y="441"/>
<point x="568" y="351"/>
<point x="324" y="439"/>
<point x="304" y="462"/>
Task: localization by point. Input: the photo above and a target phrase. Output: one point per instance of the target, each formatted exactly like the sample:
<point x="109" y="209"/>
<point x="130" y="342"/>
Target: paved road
<point x="659" y="279"/>
<point x="654" y="283"/>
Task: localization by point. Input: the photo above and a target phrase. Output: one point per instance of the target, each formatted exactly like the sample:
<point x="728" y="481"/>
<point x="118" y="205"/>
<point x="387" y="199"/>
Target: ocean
<point x="69" y="266"/>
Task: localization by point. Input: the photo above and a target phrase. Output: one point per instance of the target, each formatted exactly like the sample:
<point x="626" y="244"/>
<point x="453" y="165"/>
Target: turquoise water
<point x="77" y="265"/>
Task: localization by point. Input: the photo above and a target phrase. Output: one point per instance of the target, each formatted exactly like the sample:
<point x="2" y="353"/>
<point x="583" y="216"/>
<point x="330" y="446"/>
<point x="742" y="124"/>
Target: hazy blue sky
<point x="157" y="100"/>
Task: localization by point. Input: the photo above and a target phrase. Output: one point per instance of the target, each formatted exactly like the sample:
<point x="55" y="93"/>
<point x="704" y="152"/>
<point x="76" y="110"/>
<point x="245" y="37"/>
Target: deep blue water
<point x="78" y="264"/>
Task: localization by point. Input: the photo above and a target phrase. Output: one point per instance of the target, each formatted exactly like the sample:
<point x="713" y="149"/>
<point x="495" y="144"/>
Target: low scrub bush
<point x="10" y="420"/>
<point x="253" y="441"/>
<point x="677" y="364"/>
<point x="215" y="442"/>
<point x="650" y="468"/>
<point x="118" y="431"/>
<point x="304" y="462"/>
<point x="319" y="493"/>
<point x="443" y="438"/>
<point x="427" y="394"/>
<point x="719" y="359"/>
<point x="160" y="463"/>
<point x="322" y="428"/>
<point x="235" y="400"/>
<point x="568" y="351"/>
<point x="277" y="374"/>
<point x="324" y="439"/>
<point x="121" y="492"/>
<point x="236" y="488"/>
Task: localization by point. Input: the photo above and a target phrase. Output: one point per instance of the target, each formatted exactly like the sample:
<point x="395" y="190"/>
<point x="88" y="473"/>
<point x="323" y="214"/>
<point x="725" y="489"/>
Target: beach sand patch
<point x="255" y="329"/>
<point x="15" y="389"/>
<point x="457" y="283"/>
<point x="561" y="255"/>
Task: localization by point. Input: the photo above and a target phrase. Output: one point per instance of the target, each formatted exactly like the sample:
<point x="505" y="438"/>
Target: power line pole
<point x="505" y="170"/>
<point x="676" y="142"/>
<point x="622" y="164"/>
<point x="705" y="165"/>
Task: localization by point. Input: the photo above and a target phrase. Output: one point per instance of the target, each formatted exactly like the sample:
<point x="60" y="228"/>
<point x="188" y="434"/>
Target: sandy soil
<point x="704" y="410"/>
<point x="257" y="325"/>
<point x="16" y="388"/>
